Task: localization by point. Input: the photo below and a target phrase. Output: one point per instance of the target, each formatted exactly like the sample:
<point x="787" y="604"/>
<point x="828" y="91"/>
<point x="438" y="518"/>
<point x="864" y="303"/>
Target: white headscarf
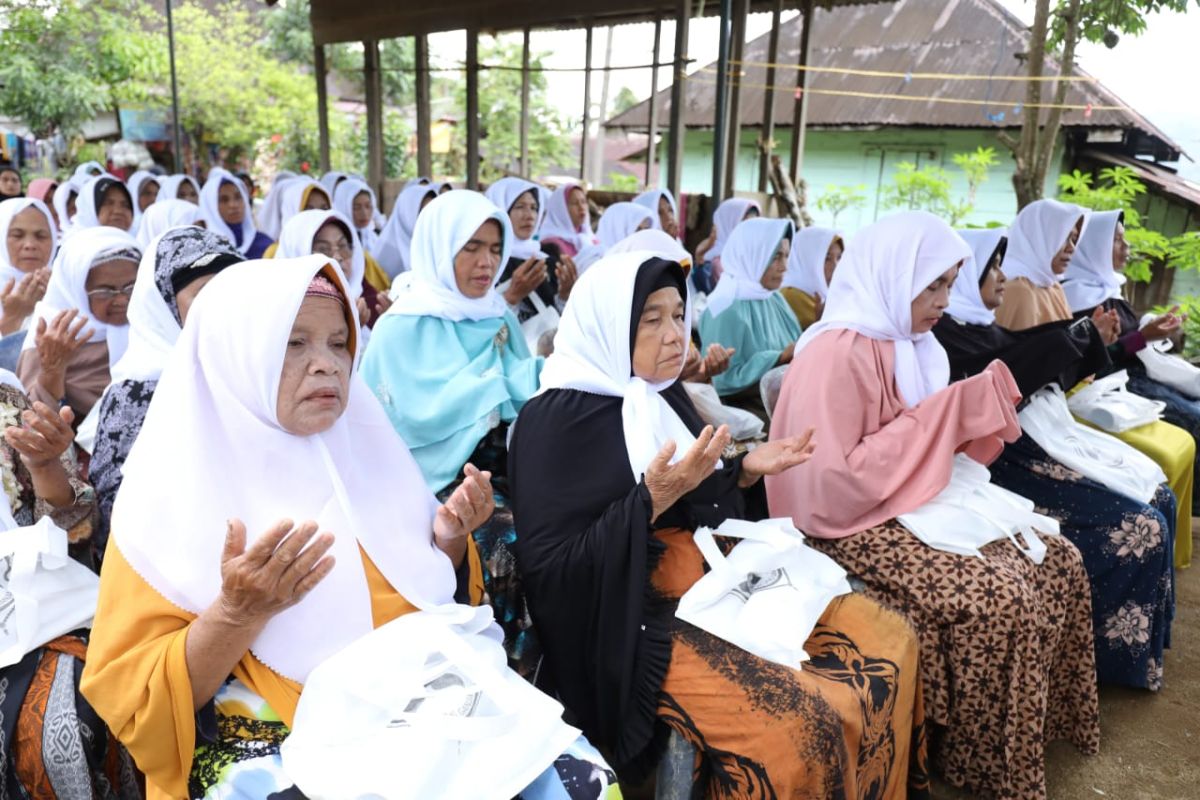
<point x="8" y="211"/>
<point x="806" y="263"/>
<point x="1090" y="278"/>
<point x="330" y="181"/>
<point x="68" y="285"/>
<point x="657" y="242"/>
<point x="62" y="195"/>
<point x="885" y="267"/>
<point x="619" y="221"/>
<point x="966" y="303"/>
<point x="296" y="241"/>
<point x="134" y="183"/>
<point x="1036" y="236"/>
<point x="170" y="187"/>
<point x="504" y="193"/>
<point x="343" y="203"/>
<point x="747" y="255"/>
<point x="443" y="228"/>
<point x="269" y="216"/>
<point x="86" y="171"/>
<point x="210" y="210"/>
<point x="650" y="199"/>
<point x="164" y="215"/>
<point x="395" y="241"/>
<point x="592" y="353"/>
<point x="213" y="428"/>
<point x="557" y="223"/>
<point x="295" y="197"/>
<point x="86" y="204"/>
<point x="726" y="218"/>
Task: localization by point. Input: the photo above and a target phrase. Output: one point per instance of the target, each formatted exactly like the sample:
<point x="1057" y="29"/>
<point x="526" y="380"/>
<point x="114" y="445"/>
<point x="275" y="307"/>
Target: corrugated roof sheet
<point x="960" y="37"/>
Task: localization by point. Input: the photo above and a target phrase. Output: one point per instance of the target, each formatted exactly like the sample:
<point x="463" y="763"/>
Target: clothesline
<point x="916" y="76"/>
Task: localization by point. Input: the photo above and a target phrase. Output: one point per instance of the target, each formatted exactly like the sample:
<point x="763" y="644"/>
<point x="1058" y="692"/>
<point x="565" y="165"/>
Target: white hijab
<point x="395" y="241"/>
<point x="1036" y="236"/>
<point x="747" y="255"/>
<point x="213" y="428"/>
<point x="86" y="171"/>
<point x="343" y="203"/>
<point x="331" y="180"/>
<point x="296" y="241"/>
<point x="294" y="197"/>
<point x="619" y="221"/>
<point x="86" y="208"/>
<point x="966" y="303"/>
<point x="68" y="290"/>
<point x="170" y="187"/>
<point x="504" y="193"/>
<point x="8" y="211"/>
<point x="650" y="199"/>
<point x="592" y="353"/>
<point x="134" y="183"/>
<point x="557" y="223"/>
<point x="726" y="218"/>
<point x="210" y="210"/>
<point x="806" y="263"/>
<point x="1090" y="278"/>
<point x="885" y="267"/>
<point x="269" y="216"/>
<point x="62" y="195"/>
<point x="164" y="215"/>
<point x="443" y="228"/>
<point x="657" y="242"/>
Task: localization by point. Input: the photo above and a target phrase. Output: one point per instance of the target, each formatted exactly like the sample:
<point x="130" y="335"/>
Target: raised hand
<point x="45" y="436"/>
<point x="272" y="574"/>
<point x="525" y="279"/>
<point x="716" y="360"/>
<point x="772" y="458"/>
<point x="668" y="482"/>
<point x="1162" y="327"/>
<point x="1107" y="323"/>
<point x="566" y="273"/>
<point x="57" y="342"/>
<point x="18" y="299"/>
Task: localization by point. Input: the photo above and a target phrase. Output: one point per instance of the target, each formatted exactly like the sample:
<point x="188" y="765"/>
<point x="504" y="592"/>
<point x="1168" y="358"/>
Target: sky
<point x="1154" y="73"/>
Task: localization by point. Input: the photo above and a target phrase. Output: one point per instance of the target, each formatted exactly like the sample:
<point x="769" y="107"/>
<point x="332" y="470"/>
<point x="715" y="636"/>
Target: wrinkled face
<point x="115" y="210"/>
<point x="188" y="192"/>
<point x="991" y="291"/>
<point x="577" y="206"/>
<point x="832" y="256"/>
<point x="929" y="305"/>
<point x="666" y="218"/>
<point x="363" y="210"/>
<point x="187" y="295"/>
<point x="29" y="241"/>
<point x="524" y="215"/>
<point x="108" y="287"/>
<point x="661" y="342"/>
<point x="315" y="382"/>
<point x="10" y="182"/>
<point x="772" y="277"/>
<point x="230" y="205"/>
<point x="331" y="241"/>
<point x="1063" y="257"/>
<point x="147" y="194"/>
<point x="317" y="200"/>
<point x="476" y="264"/>
<point x="1120" y="253"/>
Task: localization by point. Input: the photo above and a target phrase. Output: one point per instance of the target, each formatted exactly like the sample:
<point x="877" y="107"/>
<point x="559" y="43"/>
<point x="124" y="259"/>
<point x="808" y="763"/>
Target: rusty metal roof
<point x="909" y="37"/>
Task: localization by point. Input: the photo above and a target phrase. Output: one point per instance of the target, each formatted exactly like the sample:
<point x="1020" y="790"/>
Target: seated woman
<point x="225" y="206"/>
<point x="619" y="221"/>
<point x="202" y="643"/>
<point x="1006" y="643"/>
<point x="169" y="279"/>
<point x="666" y="211"/>
<point x="1041" y="245"/>
<point x="815" y="255"/>
<point x="180" y="187"/>
<point x="355" y="201"/>
<point x="746" y="311"/>
<point x="43" y="189"/>
<point x="607" y="551"/>
<point x="80" y="328"/>
<point x="65" y="197"/>
<point x="51" y="739"/>
<point x="451" y="369"/>
<point x="729" y="214"/>
<point x="27" y="228"/>
<point x="103" y="200"/>
<point x="1126" y="544"/>
<point x="395" y="240"/>
<point x="143" y="188"/>
<point x="567" y="228"/>
<point x="167" y="214"/>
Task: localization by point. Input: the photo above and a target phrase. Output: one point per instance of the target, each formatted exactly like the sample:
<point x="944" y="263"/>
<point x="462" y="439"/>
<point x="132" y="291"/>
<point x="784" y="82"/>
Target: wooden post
<point x="374" y="88"/>
<point x="322" y="105"/>
<point x="424" y="118"/>
<point x="675" y="137"/>
<point x="768" y="117"/>
<point x="472" y="109"/>
<point x="721" y="111"/>
<point x="587" y="104"/>
<point x="652" y="143"/>
<point x="525" y="170"/>
<point x="737" y="50"/>
<point x="800" y="115"/>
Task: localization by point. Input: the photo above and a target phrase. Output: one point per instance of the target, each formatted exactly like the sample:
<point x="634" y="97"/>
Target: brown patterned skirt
<point x="1006" y="651"/>
<point x="849" y="724"/>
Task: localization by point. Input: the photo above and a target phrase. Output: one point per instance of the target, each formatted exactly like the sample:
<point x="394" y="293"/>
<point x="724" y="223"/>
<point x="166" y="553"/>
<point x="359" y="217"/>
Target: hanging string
<point x="917" y="76"/>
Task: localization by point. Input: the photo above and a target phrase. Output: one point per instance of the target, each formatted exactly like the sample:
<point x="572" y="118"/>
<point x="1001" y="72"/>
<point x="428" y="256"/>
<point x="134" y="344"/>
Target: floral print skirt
<point x="1127" y="549"/>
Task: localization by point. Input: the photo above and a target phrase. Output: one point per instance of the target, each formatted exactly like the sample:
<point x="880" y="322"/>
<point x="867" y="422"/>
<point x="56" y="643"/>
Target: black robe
<point x="526" y="310"/>
<point x="586" y="551"/>
<point x="1123" y="352"/>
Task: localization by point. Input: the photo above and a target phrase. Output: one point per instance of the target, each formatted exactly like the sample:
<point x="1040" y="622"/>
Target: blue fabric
<point x="259" y="246"/>
<point x="445" y="384"/>
<point x="1128" y="549"/>
<point x="1181" y="411"/>
<point x="702" y="277"/>
<point x="10" y="350"/>
<point x="758" y="330"/>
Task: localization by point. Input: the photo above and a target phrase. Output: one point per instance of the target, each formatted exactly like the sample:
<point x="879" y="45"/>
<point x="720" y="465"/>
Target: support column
<point x="320" y="72"/>
<point x="525" y="169"/>
<point x="721" y="112"/>
<point x="737" y="51"/>
<point x="800" y="115"/>
<point x="374" y="98"/>
<point x="768" y="117"/>
<point x="424" y="114"/>
<point x="472" y="109"/>
<point x="652" y="142"/>
<point x="675" y="137"/>
<point x="587" y="104"/>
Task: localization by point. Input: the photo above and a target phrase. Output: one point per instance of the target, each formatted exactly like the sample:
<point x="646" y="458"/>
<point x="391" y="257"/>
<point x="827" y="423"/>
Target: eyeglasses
<point x="109" y="294"/>
<point x="342" y="249"/>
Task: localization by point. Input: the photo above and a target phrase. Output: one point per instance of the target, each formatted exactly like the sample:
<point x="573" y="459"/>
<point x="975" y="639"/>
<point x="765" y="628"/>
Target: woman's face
<point x="772" y="277"/>
<point x="188" y="294"/>
<point x="666" y="218"/>
<point x="230" y="205"/>
<point x="108" y="287"/>
<point x="147" y="194"/>
<point x="832" y="256"/>
<point x="524" y="215"/>
<point x="577" y="206"/>
<point x="363" y="210"/>
<point x="991" y="291"/>
<point x="929" y="305"/>
<point x="1120" y="253"/>
<point x="476" y="264"/>
<point x="115" y="210"/>
<point x="317" y="201"/>
<point x="661" y="342"/>
<point x="1063" y="257"/>
<point x="331" y="241"/>
<point x="71" y="198"/>
<point x="187" y="192"/>
<point x="315" y="382"/>
<point x="29" y="241"/>
<point x="10" y="183"/>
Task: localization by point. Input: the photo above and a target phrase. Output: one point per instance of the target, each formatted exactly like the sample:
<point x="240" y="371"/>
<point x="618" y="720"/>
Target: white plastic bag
<point x="768" y="594"/>
<point x="972" y="512"/>
<point x="44" y="593"/>
<point x="1170" y="370"/>
<point x="1101" y="457"/>
<point x="546" y="319"/>
<point x="1107" y="404"/>
<point x="743" y="425"/>
<point x="85" y="434"/>
<point x="424" y="706"/>
<point x="769" y="387"/>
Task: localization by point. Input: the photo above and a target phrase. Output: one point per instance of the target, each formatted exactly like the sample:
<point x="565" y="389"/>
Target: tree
<point x="1094" y="20"/>
<point x="624" y="101"/>
<point x="837" y="199"/>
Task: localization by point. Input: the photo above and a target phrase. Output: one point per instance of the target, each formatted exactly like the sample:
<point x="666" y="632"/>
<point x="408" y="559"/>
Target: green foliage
<point x="622" y="182"/>
<point x="927" y="188"/>
<point x="837" y="199"/>
<point x="1104" y="20"/>
<point x="624" y="101"/>
<point x="1190" y="306"/>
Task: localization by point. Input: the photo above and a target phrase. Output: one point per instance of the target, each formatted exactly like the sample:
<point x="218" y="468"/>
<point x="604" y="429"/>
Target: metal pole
<point x="652" y="142"/>
<point x="374" y="115"/>
<point x="737" y="50"/>
<point x="722" y="106"/>
<point x="472" y="109"/>
<point x="525" y="168"/>
<point x="322" y="105"/>
<point x="678" y="89"/>
<point x="800" y="113"/>
<point x="587" y="104"/>
<point x="768" y="117"/>
<point x="424" y="120"/>
<point x="599" y="144"/>
<point x="178" y="140"/>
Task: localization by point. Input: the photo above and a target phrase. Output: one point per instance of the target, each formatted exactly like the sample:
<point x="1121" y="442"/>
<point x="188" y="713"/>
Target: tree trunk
<point x="794" y="202"/>
<point x="1049" y="135"/>
<point x="1026" y="148"/>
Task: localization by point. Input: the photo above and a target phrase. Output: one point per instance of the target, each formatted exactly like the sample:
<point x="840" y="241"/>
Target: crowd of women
<point x="275" y="429"/>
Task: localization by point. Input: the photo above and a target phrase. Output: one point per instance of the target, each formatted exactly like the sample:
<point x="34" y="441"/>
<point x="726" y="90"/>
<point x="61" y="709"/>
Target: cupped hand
<point x="525" y="279"/>
<point x="46" y="435"/>
<point x="772" y="458"/>
<point x="272" y="574"/>
<point x="1163" y="326"/>
<point x="1107" y="323"/>
<point x="58" y="340"/>
<point x="566" y="273"/>
<point x="467" y="508"/>
<point x="668" y="482"/>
